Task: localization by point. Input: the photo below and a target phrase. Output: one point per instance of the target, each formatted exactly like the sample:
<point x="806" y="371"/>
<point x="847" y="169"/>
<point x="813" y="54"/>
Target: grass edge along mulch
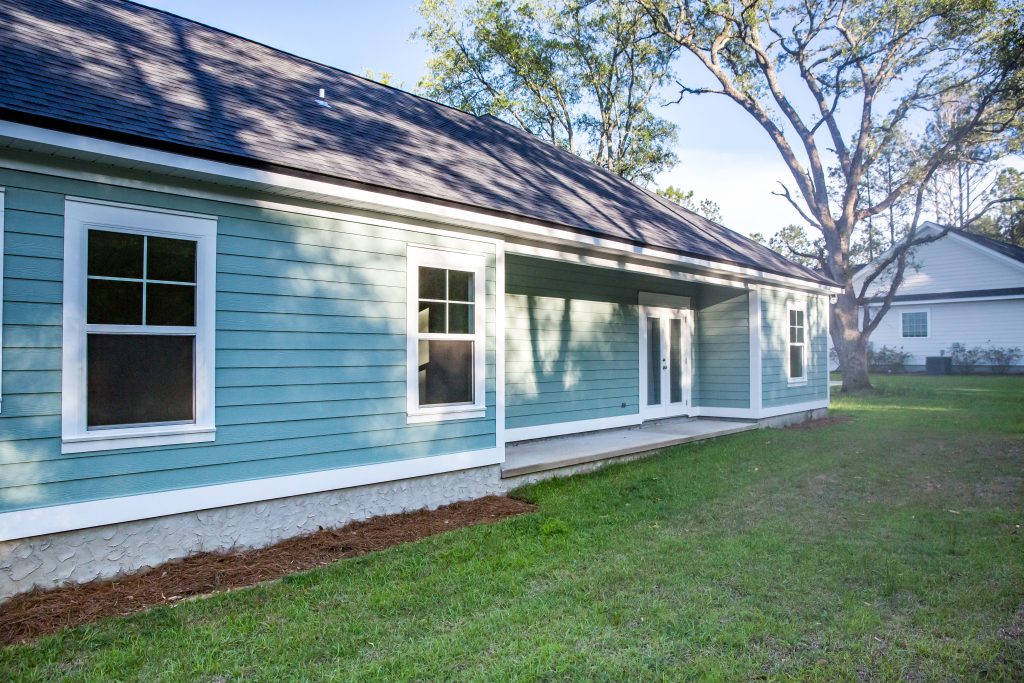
<point x="31" y="615"/>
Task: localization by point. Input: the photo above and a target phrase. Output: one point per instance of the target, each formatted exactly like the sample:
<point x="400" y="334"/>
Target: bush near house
<point x="888" y="359"/>
<point x="995" y="359"/>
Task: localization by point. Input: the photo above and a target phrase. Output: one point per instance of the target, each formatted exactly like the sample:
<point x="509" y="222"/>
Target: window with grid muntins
<point x="797" y="343"/>
<point x="446" y="336"/>
<point x="140" y="329"/>
<point x="915" y="324"/>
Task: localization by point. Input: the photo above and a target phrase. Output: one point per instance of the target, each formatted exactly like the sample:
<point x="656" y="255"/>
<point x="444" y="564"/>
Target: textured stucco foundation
<point x="102" y="552"/>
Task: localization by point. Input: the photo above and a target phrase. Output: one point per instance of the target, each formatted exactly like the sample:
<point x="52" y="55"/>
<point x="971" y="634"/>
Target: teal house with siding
<point x="245" y="295"/>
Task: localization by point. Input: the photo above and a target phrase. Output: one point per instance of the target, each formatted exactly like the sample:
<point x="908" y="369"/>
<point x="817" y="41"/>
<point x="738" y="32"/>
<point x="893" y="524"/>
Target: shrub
<point x="887" y="359"/>
<point x="964" y="359"/>
<point x="1000" y="359"/>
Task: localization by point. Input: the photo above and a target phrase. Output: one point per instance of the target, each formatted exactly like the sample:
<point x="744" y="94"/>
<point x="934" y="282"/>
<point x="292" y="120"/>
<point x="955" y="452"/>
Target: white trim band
<point x="58" y="518"/>
<point x="574" y="427"/>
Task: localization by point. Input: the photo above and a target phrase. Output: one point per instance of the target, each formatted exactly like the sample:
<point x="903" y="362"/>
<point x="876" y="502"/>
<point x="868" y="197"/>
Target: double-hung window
<point x="915" y="323"/>
<point x="446" y="335"/>
<point x="138" y="327"/>
<point x="797" y="344"/>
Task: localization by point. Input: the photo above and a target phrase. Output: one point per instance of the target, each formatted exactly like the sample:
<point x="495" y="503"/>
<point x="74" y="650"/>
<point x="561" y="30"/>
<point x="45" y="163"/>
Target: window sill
<point x="797" y="382"/>
<point x="136" y="437"/>
<point x="443" y="415"/>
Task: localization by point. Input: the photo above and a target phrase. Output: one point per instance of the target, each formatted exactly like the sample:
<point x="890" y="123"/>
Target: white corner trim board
<point x="58" y="518"/>
<point x="754" y="330"/>
<point x="368" y="199"/>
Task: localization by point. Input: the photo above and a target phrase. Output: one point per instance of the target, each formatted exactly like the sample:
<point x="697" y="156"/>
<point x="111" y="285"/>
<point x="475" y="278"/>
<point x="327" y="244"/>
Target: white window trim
<point x="455" y="260"/>
<point x="802" y="307"/>
<point x="80" y="214"/>
<point x="2" y="205"/>
<point x="927" y="322"/>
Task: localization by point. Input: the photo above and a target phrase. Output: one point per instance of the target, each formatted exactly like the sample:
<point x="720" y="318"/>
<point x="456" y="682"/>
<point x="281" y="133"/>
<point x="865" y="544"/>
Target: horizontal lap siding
<point x="775" y="387"/>
<point x="310" y="352"/>
<point x="572" y="341"/>
<point x="722" y="349"/>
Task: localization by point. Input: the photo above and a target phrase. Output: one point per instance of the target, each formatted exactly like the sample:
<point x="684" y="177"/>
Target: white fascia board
<point x="939" y="300"/>
<point x="379" y="201"/>
<point x="74" y="516"/>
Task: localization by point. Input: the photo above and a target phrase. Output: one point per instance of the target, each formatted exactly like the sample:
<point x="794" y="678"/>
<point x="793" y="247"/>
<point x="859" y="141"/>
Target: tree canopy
<point x="582" y="74"/>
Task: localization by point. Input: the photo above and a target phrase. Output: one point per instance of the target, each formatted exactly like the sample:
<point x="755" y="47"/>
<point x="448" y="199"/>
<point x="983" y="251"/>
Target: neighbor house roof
<point x="129" y="73"/>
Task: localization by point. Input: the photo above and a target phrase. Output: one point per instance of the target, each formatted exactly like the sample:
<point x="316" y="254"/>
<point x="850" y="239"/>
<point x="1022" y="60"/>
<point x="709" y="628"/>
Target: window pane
<point x="915" y="324"/>
<point x="431" y="317"/>
<point x="653" y="361"/>
<point x="115" y="254"/>
<point x="432" y="285"/>
<point x="169" y="259"/>
<point x="170" y="304"/>
<point x="138" y="379"/>
<point x="796" y="361"/>
<point x="460" y="318"/>
<point x="460" y="285"/>
<point x="445" y="372"/>
<point x="675" y="360"/>
<point x="114" y="302"/>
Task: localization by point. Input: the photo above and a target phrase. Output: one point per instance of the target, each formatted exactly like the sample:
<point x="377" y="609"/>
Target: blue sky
<point x="723" y="156"/>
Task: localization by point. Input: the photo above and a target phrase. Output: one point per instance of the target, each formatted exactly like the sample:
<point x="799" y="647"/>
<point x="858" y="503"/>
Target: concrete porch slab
<point x="566" y="451"/>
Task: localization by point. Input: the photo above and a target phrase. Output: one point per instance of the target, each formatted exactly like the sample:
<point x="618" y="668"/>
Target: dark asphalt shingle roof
<point x="133" y="73"/>
<point x="1004" y="248"/>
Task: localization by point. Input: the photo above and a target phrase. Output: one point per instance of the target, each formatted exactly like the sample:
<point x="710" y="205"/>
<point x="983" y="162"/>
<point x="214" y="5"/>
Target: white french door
<point x="665" y="363"/>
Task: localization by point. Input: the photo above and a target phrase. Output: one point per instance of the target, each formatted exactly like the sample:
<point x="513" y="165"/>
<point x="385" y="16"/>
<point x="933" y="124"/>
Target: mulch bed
<point x="31" y="615"/>
<point x="819" y="423"/>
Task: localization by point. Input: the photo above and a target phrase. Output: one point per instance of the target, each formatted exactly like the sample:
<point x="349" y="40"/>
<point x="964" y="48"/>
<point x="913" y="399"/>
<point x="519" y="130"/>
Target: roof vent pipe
<point x="321" y="99"/>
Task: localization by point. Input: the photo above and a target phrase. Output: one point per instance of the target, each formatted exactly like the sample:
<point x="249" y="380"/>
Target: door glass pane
<point x="445" y="371"/>
<point x="113" y="302"/>
<point x="653" y="361"/>
<point x="675" y="360"/>
<point x="170" y="304"/>
<point x="115" y="254"/>
<point x="139" y="379"/>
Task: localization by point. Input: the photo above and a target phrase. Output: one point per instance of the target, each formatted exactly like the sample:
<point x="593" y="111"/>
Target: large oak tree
<point x="841" y="87"/>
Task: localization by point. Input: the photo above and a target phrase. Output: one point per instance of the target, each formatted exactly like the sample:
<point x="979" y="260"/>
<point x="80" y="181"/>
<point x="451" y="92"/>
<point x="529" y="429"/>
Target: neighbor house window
<point x="447" y="343"/>
<point x="797" y="344"/>
<point x="915" y="324"/>
<point x="138" y="327"/>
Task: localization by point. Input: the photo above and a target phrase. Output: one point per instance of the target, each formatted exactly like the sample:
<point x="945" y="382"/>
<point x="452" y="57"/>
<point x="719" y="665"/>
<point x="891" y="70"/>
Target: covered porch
<point x="548" y="455"/>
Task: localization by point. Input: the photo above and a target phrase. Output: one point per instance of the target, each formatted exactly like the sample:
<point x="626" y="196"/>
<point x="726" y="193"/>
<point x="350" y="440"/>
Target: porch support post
<point x="754" y="327"/>
<point x="499" y="348"/>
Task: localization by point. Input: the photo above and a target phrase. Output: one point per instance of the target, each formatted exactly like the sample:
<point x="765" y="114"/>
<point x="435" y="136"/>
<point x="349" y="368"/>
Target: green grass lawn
<point x="888" y="547"/>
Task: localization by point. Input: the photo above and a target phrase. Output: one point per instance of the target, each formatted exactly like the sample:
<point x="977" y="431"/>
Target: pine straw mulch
<point x="820" y="422"/>
<point x="41" y="612"/>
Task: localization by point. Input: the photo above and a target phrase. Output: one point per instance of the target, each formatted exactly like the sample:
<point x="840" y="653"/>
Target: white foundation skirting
<point x="101" y="552"/>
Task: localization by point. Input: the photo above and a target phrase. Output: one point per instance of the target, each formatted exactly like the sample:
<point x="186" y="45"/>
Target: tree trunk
<point x="850" y="343"/>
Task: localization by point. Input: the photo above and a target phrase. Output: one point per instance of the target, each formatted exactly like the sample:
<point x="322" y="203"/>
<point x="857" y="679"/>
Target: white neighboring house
<point x="962" y="288"/>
